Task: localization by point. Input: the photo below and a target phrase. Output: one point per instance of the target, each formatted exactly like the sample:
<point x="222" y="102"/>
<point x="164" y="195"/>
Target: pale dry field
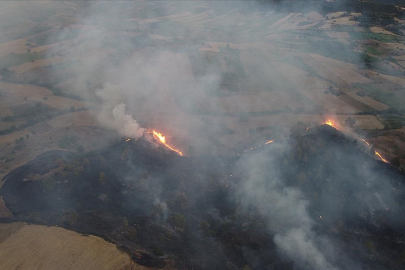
<point x="37" y="63"/>
<point x="400" y="58"/>
<point x="328" y="101"/>
<point x="291" y="23"/>
<point x="340" y="73"/>
<point x="4" y="110"/>
<point x="338" y="35"/>
<point x="349" y="75"/>
<point x="61" y="103"/>
<point x="4" y="213"/>
<point x="362" y="121"/>
<point x="191" y="19"/>
<point x="401" y="63"/>
<point x="289" y="71"/>
<point x="40" y="247"/>
<point x="275" y="100"/>
<point x="369" y="101"/>
<point x="367" y="122"/>
<point x="14" y="46"/>
<point x="338" y="21"/>
<point x="314" y="16"/>
<point x="81" y="118"/>
<point x="310" y="82"/>
<point x="397" y="80"/>
<point x="334" y="15"/>
<point x="23" y="90"/>
<point x="348" y="72"/>
<point x="282" y="21"/>
<point x="379" y="30"/>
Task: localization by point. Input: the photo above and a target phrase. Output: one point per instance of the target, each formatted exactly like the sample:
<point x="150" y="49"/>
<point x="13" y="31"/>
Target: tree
<point x="48" y="183"/>
<point x="158" y="251"/>
<point x="102" y="179"/>
<point x="178" y="221"/>
<point x="350" y="122"/>
<point x="130" y="233"/>
<point x="396" y="162"/>
<point x="69" y="218"/>
<point x="80" y="148"/>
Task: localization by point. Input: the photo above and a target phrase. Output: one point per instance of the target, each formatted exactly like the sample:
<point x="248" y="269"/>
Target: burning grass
<point x="196" y="200"/>
<point x="162" y="139"/>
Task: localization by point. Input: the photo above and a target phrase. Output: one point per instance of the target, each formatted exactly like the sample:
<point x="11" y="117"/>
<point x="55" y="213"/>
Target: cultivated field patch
<point x="41" y="247"/>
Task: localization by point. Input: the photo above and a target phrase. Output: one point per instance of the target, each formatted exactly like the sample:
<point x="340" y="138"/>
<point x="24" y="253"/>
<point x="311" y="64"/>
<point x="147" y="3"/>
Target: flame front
<point x="162" y="139"/>
<point x="329" y="122"/>
<point x="375" y="152"/>
<point x="379" y="155"/>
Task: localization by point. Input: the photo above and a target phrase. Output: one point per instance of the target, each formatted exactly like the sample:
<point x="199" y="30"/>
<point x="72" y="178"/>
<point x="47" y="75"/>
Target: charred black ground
<point x="185" y="211"/>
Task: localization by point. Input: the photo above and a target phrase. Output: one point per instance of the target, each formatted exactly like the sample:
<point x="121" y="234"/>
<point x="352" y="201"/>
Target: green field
<point x="392" y="121"/>
<point x="375" y="36"/>
<point x="373" y="50"/>
<point x="390" y="98"/>
<point x="15" y="59"/>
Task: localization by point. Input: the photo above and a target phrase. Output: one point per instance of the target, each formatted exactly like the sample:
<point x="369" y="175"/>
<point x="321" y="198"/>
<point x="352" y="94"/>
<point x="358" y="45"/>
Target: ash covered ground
<point x="314" y="201"/>
<point x="189" y="134"/>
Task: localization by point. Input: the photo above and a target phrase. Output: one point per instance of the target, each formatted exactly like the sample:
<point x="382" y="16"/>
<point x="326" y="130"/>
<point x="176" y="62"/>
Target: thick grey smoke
<point x="285" y="209"/>
<point x="124" y="123"/>
<point x="156" y="85"/>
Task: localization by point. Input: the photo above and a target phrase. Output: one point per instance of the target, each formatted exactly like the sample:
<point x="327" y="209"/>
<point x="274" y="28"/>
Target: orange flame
<point x="379" y="155"/>
<point x="375" y="152"/>
<point x="254" y="147"/>
<point x="162" y="139"/>
<point x="329" y="122"/>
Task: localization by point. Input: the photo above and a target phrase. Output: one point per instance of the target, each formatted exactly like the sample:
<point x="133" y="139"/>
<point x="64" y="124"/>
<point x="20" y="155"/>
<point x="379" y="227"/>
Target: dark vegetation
<point x="163" y="208"/>
<point x="32" y="113"/>
<point x="50" y="37"/>
<point x="394" y="99"/>
<point x="15" y="59"/>
<point x="392" y="121"/>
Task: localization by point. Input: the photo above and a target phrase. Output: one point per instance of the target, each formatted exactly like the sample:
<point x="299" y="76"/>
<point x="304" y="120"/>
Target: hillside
<point x="94" y="94"/>
<point x="213" y="212"/>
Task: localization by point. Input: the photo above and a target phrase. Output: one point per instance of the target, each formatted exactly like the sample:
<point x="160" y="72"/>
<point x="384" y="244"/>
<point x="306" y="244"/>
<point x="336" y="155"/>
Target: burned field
<point x="90" y="91"/>
<point x="219" y="212"/>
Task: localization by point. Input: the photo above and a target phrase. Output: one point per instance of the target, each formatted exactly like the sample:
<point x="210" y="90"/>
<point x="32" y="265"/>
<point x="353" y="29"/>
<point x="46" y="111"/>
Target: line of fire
<point x="161" y="139"/>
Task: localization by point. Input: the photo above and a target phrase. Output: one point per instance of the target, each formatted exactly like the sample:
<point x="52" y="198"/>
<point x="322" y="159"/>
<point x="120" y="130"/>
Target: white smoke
<point x="298" y="245"/>
<point x="124" y="123"/>
<point x="286" y="211"/>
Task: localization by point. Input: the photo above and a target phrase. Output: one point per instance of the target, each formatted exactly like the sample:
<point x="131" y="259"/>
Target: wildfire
<point x="375" y="152"/>
<point x="329" y="122"/>
<point x="162" y="139"/>
<point x="379" y="155"/>
<point x="254" y="147"/>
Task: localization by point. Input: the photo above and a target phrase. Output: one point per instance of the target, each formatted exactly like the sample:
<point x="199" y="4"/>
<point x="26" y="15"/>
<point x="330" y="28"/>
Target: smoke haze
<point x="222" y="79"/>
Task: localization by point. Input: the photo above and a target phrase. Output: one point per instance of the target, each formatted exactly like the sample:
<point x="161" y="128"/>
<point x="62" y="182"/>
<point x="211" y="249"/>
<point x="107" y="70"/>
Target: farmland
<point x="281" y="64"/>
<point x="33" y="246"/>
<point x="213" y="78"/>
